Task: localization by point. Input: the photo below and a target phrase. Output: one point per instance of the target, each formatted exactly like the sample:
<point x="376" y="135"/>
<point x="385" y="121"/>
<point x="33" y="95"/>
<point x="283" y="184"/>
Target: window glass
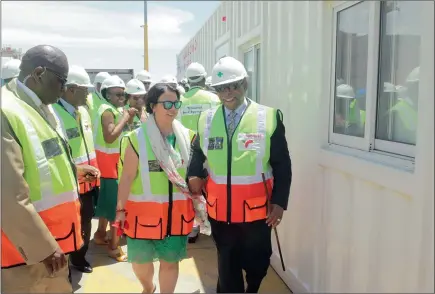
<point x="351" y="70"/>
<point x="399" y="63"/>
<point x="248" y="61"/>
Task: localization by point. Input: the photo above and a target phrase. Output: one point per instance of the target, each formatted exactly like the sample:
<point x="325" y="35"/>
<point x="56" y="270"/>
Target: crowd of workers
<point x="139" y="156"/>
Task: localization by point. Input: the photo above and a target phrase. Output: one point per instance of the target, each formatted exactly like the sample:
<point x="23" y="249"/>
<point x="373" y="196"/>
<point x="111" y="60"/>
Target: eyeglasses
<point x="230" y="87"/>
<point x="61" y="79"/>
<point x="168" y="104"/>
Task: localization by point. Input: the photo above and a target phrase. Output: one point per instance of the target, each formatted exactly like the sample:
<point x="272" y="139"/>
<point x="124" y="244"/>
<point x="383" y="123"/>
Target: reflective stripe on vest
<point x="244" y="198"/>
<point x="107" y="153"/>
<point x="80" y="139"/>
<point x="153" y="211"/>
<point x="56" y="200"/>
<point x="195" y="101"/>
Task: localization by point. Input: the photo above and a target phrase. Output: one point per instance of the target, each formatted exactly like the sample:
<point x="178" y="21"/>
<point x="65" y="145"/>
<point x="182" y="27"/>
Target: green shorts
<point x="171" y="249"/>
<point x="107" y="199"/>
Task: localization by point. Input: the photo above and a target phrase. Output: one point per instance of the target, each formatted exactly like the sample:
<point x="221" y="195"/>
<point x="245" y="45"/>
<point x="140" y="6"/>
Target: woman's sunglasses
<point x="168" y="104"/>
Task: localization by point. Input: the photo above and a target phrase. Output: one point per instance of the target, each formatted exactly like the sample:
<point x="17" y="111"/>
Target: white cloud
<point x="95" y="37"/>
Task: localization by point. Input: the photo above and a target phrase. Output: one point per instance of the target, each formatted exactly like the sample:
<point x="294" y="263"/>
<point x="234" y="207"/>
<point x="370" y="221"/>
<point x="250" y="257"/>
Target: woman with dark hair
<point x="110" y="126"/>
<point x="156" y="216"/>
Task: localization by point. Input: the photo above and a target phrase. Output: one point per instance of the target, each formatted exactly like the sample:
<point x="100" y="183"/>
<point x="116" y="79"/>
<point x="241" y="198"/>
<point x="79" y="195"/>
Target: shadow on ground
<point x="198" y="273"/>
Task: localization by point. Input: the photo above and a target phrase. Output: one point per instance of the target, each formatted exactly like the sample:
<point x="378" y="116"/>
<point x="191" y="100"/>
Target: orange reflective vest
<point x="235" y="189"/>
<point x="79" y="134"/>
<point x="156" y="209"/>
<point x="50" y="176"/>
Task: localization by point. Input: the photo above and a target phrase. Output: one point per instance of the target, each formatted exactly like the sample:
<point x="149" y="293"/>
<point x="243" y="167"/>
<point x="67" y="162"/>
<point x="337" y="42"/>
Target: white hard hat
<point x="181" y="90"/>
<point x="228" y="70"/>
<point x="143" y="76"/>
<point x="100" y="77"/>
<point x="345" y="91"/>
<point x="78" y="76"/>
<point x="195" y="70"/>
<point x="135" y="87"/>
<point x="208" y="81"/>
<point x="112" y="82"/>
<point x="168" y="79"/>
<point x="414" y="75"/>
<point x="11" y="69"/>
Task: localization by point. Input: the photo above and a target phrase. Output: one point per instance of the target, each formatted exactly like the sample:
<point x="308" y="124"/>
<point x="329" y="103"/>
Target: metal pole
<point x="145" y="36"/>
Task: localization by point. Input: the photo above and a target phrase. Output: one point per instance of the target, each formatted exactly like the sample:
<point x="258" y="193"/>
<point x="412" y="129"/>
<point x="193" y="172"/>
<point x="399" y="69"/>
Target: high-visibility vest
<point x="50" y="176"/>
<point x="407" y="114"/>
<point x="107" y="153"/>
<point x="235" y="189"/>
<point x="195" y="101"/>
<point x="93" y="102"/>
<point x="80" y="140"/>
<point x="156" y="209"/>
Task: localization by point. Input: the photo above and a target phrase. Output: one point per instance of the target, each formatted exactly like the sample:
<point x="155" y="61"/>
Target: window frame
<point x="256" y="76"/>
<point x="368" y="143"/>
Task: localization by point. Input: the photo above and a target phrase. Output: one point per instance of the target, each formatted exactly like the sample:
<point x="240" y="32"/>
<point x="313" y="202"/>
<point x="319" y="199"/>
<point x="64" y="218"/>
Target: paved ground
<point x="198" y="273"/>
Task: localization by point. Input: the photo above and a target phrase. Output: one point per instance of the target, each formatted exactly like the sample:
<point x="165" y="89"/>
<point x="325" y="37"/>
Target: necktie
<point x="231" y="122"/>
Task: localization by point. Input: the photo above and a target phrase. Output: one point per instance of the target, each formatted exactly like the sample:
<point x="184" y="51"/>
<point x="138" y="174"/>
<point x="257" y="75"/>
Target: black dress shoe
<point x="84" y="268"/>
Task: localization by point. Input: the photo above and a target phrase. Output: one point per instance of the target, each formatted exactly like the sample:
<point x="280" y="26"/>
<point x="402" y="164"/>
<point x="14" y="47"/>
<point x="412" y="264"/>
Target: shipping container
<point x="361" y="214"/>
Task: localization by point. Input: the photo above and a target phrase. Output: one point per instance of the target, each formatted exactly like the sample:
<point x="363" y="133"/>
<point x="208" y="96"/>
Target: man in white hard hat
<point x="195" y="101"/>
<point x="145" y="77"/>
<point x="94" y="100"/>
<point x="405" y="110"/>
<point x="135" y="95"/>
<point x="77" y="127"/>
<point x="10" y="70"/>
<point x="248" y="159"/>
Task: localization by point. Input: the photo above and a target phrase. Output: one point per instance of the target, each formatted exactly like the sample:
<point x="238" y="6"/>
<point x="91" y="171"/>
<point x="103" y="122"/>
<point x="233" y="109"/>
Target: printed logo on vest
<point x="249" y="141"/>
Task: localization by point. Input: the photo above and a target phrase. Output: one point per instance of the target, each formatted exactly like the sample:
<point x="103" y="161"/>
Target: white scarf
<point x="170" y="160"/>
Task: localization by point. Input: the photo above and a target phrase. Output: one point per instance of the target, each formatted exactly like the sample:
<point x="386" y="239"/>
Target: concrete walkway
<point x="198" y="273"/>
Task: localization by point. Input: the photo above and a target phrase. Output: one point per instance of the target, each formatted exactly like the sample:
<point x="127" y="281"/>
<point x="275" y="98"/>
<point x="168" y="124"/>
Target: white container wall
<point x="357" y="221"/>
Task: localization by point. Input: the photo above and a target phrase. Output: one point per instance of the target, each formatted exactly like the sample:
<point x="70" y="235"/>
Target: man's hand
<point x="87" y="173"/>
<point x="196" y="185"/>
<point x="55" y="262"/>
<point x="274" y="215"/>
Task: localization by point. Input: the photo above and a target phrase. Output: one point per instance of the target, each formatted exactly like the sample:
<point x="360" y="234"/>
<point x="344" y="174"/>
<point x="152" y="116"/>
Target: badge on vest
<point x="72" y="133"/>
<point x="249" y="141"/>
<point x="51" y="148"/>
<point x="215" y="143"/>
<point x="154" y="166"/>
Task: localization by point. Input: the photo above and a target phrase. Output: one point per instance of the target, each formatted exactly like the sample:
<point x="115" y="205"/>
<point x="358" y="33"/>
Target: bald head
<point x="45" y="56"/>
<point x="44" y="70"/>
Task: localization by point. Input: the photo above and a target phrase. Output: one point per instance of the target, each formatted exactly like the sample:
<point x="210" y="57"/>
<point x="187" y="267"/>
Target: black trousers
<point x="245" y="246"/>
<point x="86" y="212"/>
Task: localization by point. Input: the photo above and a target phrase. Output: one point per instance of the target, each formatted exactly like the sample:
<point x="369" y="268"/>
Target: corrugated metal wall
<point x="352" y="225"/>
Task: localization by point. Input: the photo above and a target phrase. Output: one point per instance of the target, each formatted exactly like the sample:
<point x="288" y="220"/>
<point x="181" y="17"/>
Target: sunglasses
<point x="61" y="79"/>
<point x="230" y="87"/>
<point x="168" y="104"/>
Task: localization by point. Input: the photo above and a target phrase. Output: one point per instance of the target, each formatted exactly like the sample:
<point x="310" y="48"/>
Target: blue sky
<point x="107" y="34"/>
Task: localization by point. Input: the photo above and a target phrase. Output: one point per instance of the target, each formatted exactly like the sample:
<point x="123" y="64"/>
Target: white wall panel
<point x="353" y="224"/>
